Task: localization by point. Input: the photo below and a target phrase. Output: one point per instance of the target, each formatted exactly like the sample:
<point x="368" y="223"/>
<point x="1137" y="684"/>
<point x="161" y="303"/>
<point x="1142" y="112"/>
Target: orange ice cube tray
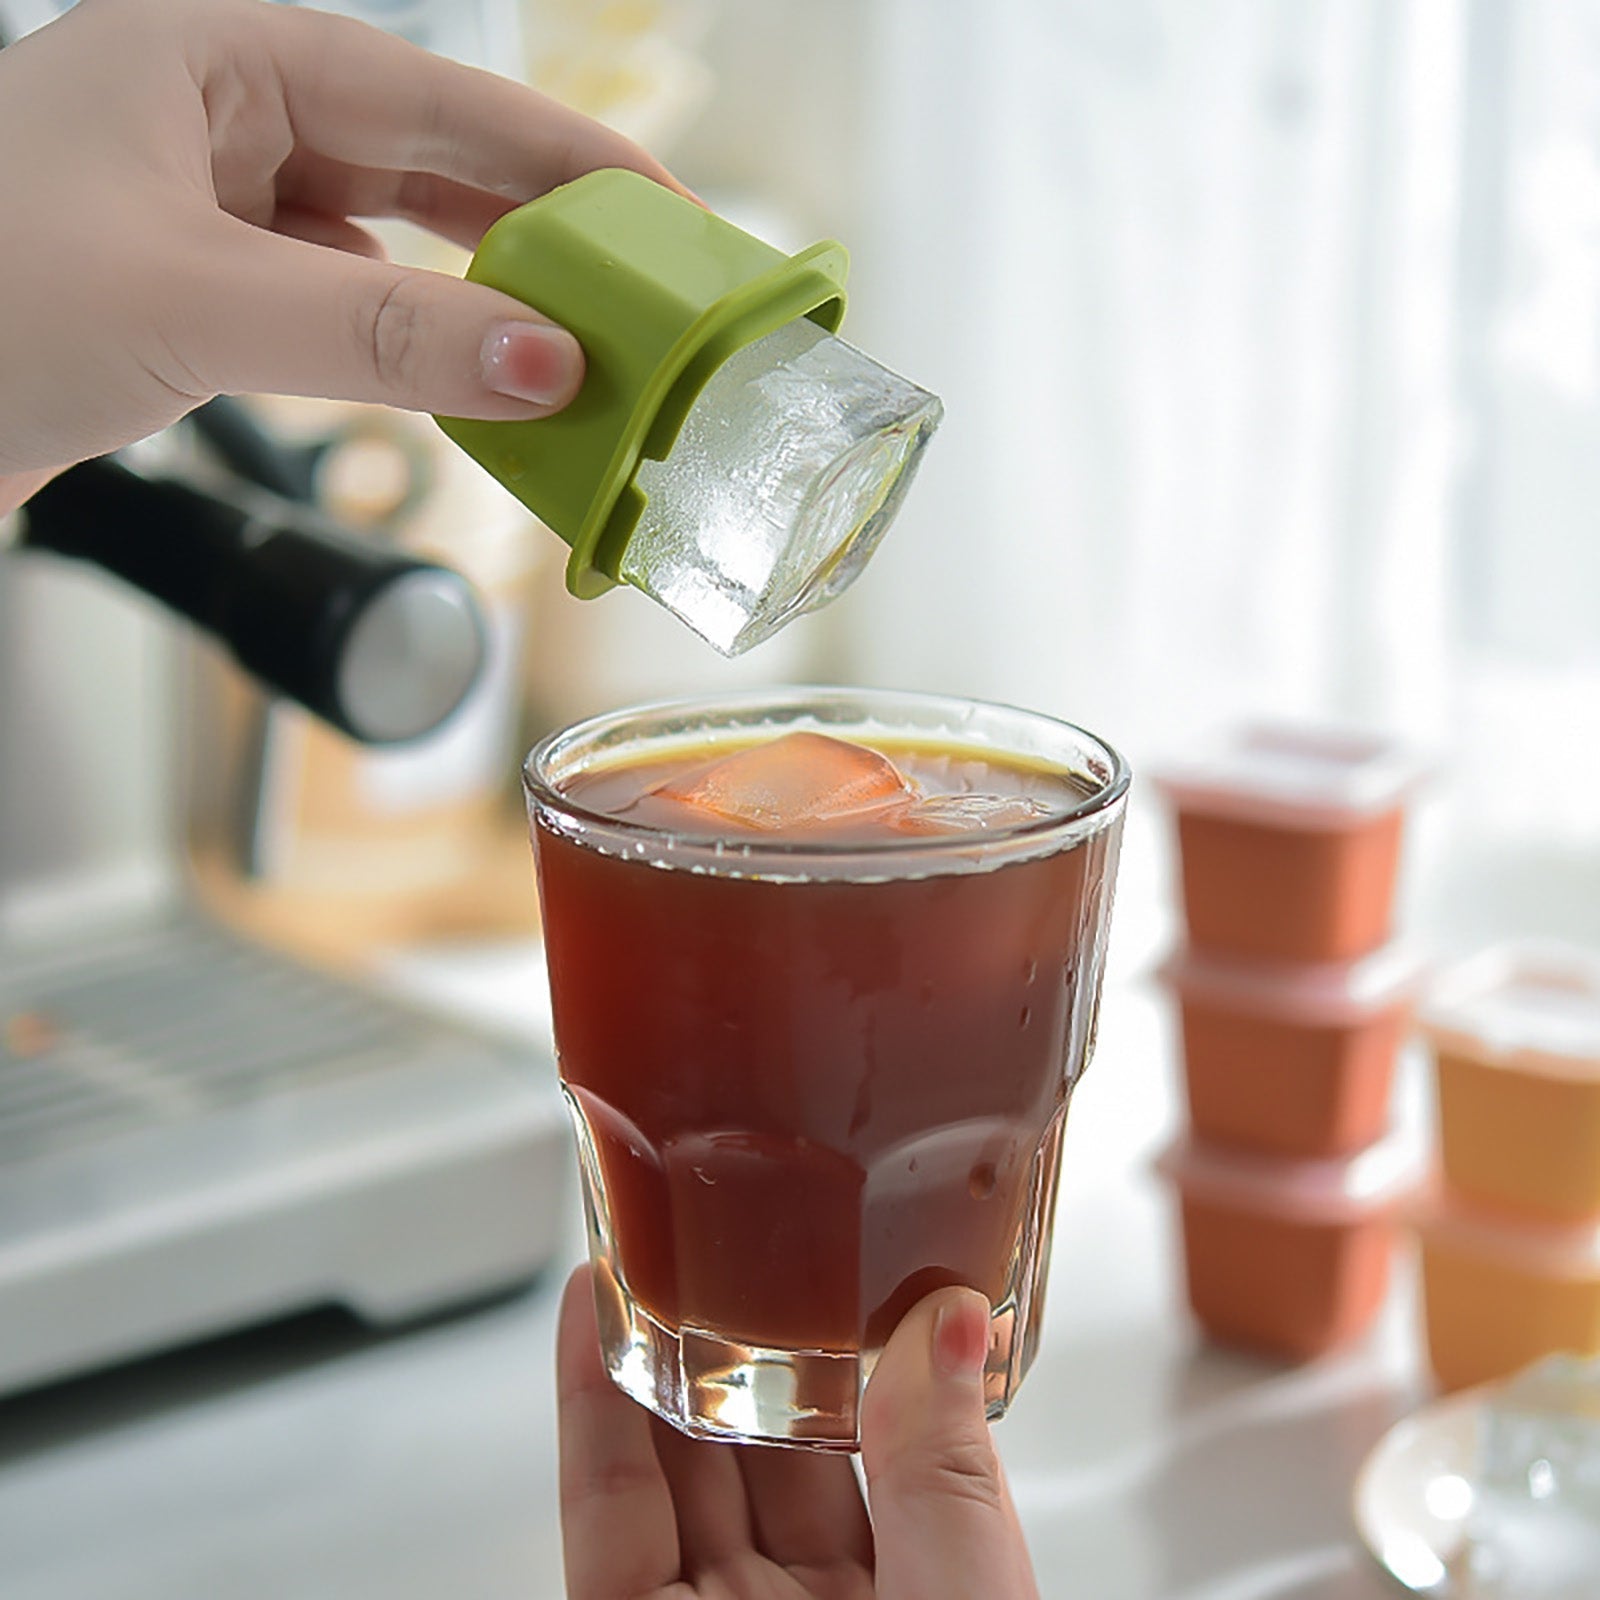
<point x="1515" y="1035"/>
<point x="1500" y="1294"/>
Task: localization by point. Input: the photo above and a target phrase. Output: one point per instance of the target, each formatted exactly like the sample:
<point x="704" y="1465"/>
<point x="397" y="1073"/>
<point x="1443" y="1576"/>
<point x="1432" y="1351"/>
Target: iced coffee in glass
<point x="825" y="968"/>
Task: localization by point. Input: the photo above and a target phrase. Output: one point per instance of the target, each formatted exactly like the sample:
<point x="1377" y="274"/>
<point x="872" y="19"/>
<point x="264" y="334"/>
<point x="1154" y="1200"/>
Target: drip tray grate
<point x="198" y="1133"/>
<point x="177" y="1021"/>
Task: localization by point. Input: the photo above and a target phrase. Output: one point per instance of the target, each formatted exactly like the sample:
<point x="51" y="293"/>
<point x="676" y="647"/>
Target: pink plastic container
<point x="1291" y="1258"/>
<point x="1289" y="841"/>
<point x="1288" y="1059"/>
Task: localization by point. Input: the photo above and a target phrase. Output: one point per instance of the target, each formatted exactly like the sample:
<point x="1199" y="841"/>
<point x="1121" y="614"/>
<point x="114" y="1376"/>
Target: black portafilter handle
<point x="250" y="452"/>
<point x="381" y="645"/>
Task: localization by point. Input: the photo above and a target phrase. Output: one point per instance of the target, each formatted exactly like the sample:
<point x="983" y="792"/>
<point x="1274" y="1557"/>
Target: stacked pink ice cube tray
<point x="1293" y="998"/>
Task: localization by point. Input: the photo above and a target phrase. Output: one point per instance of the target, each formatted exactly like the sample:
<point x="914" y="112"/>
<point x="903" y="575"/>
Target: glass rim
<point x="1095" y="810"/>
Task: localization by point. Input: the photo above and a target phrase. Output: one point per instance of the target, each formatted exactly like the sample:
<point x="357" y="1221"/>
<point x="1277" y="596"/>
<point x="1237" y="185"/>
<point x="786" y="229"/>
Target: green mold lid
<point x="660" y="293"/>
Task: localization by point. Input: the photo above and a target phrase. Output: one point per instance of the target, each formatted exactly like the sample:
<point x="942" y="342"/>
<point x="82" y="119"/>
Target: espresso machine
<point x="199" y="1131"/>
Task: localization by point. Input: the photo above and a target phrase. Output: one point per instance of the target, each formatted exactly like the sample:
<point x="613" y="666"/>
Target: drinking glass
<point x="815" y="1079"/>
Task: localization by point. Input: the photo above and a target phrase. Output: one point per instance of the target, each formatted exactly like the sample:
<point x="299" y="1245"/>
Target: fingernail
<point x="532" y="361"/>
<point x="961" y="1336"/>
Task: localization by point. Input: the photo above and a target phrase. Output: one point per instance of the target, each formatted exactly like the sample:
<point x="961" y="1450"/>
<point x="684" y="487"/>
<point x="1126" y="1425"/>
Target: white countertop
<point x="321" y="1463"/>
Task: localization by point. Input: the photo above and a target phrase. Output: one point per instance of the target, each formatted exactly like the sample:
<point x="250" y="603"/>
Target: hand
<point x="648" y="1514"/>
<point x="177" y="191"/>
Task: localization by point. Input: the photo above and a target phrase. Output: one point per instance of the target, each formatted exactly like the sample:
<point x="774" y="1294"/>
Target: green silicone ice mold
<point x="659" y="292"/>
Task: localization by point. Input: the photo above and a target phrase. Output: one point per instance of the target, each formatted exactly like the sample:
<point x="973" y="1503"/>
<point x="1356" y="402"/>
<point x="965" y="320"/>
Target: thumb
<point x="274" y="315"/>
<point x="942" y="1518"/>
<point x="16" y="489"/>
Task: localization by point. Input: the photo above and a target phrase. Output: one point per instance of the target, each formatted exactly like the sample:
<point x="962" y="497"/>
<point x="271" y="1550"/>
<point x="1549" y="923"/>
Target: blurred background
<point x="1268" y="333"/>
<point x="1269" y="342"/>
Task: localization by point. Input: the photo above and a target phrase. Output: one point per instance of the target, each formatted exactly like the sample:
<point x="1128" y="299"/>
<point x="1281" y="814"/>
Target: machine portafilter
<point x="372" y="640"/>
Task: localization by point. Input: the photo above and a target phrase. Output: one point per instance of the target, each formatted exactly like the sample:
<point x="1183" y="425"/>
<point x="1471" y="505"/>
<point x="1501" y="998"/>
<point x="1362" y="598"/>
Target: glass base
<point x="711" y="1387"/>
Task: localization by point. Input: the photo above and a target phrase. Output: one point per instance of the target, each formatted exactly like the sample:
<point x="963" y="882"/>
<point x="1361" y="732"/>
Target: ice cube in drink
<point x="968" y="813"/>
<point x="798" y="780"/>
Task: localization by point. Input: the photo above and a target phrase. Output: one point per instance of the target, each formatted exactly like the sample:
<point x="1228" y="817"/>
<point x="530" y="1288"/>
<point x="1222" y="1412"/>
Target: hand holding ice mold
<point x="183" y="227"/>
<point x="178" y="200"/>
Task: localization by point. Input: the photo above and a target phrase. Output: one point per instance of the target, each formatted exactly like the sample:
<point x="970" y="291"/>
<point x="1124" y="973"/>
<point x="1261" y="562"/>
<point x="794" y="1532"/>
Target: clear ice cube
<point x="1541" y="1432"/>
<point x="1534" y="1529"/>
<point x="794" y="780"/>
<point x="968" y="813"/>
<point x="786" y="474"/>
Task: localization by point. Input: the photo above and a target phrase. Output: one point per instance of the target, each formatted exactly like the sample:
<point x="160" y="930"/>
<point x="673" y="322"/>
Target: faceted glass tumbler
<point x="813" y="1082"/>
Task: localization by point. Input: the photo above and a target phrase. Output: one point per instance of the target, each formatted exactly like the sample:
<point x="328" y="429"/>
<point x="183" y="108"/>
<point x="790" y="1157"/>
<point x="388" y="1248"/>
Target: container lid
<point x="1326" y="992"/>
<point x="1531" y="1007"/>
<point x="1350" y="1189"/>
<point x="1558" y="1250"/>
<point x="1291" y="775"/>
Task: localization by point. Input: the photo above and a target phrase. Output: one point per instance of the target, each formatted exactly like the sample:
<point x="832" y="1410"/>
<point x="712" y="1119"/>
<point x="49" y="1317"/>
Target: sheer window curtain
<point x="1189" y="314"/>
<point x="1238" y="310"/>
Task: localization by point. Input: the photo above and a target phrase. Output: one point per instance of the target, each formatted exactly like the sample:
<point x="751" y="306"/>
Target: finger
<point x="708" y="1494"/>
<point x="265" y="314"/>
<point x="943" y="1520"/>
<point x="333" y="232"/>
<point x="363" y="96"/>
<point x="454" y="211"/>
<point x="18" y="488"/>
<point x="617" y="1526"/>
<point x="806" y="1509"/>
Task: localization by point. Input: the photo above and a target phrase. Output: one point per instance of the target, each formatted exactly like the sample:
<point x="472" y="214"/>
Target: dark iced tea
<point x="820" y="997"/>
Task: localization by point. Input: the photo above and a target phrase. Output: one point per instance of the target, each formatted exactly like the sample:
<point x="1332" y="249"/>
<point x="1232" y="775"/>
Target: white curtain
<point x="1182" y="273"/>
<point x="1269" y="337"/>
